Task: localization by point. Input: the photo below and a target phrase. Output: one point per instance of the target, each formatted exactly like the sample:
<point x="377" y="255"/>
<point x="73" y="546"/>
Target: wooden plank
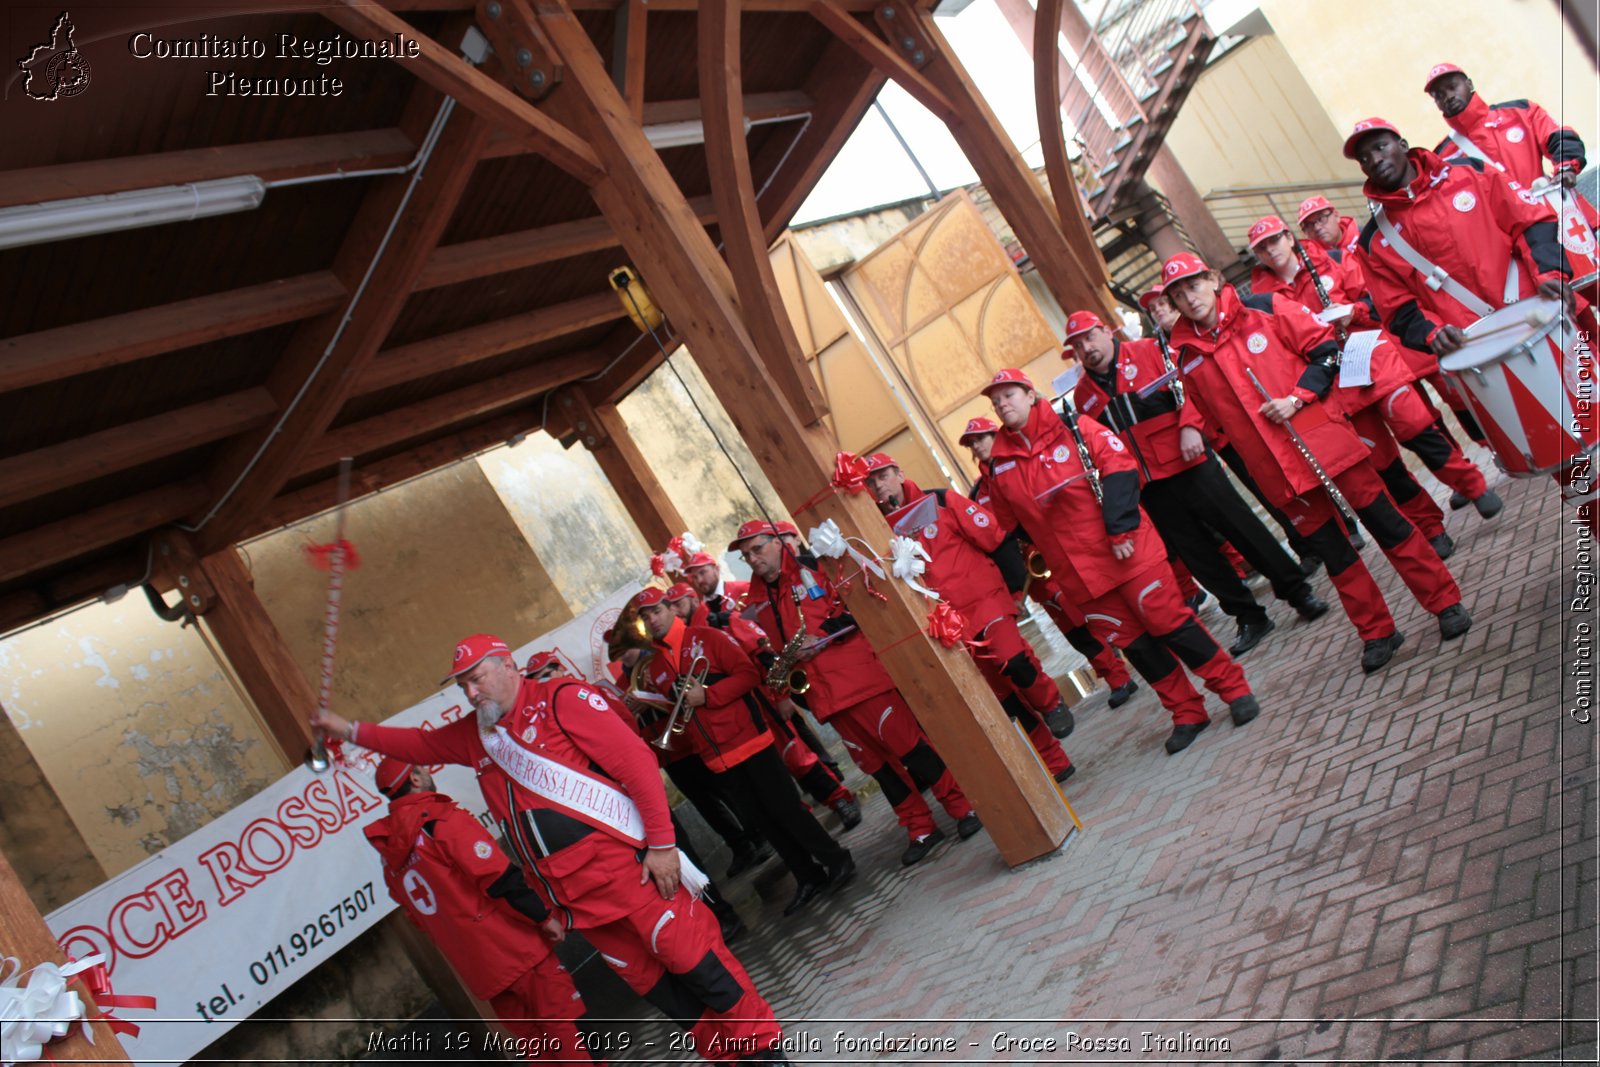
<point x="123" y="447"/>
<point x="454" y="76"/>
<point x="447" y="351"/>
<point x="1047" y="103"/>
<point x="739" y="223"/>
<point x="397" y="226"/>
<point x="291" y="157"/>
<point x="633" y="59"/>
<point x="1021" y="806"/>
<point x="44" y="546"/>
<point x="394" y="427"/>
<point x="467" y="260"/>
<point x="51" y="355"/>
<point x="871" y="47"/>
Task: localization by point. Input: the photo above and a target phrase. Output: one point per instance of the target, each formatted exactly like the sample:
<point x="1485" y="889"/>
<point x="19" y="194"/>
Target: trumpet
<point x="1038" y="569"/>
<point x="678" y="720"/>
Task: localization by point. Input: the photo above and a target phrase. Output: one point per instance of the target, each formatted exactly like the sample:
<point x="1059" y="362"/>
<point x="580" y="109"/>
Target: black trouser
<point x="1188" y="506"/>
<point x="721" y="811"/>
<point x="1235" y="462"/>
<point x="768" y="793"/>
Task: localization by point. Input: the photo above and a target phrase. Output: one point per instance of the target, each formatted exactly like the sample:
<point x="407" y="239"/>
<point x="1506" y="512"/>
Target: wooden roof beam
<point x="124" y="447"/>
<point x="871" y="47"/>
<point x="394" y="427"/>
<point x="56" y="542"/>
<point x="447" y="351"/>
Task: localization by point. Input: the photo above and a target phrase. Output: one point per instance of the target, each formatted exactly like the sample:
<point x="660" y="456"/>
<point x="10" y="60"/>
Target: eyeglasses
<point x="752" y="548"/>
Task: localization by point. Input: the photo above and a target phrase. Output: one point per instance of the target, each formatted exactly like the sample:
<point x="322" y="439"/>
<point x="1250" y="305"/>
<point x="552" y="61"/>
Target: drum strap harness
<point x="1470" y="148"/>
<point x="1433" y="275"/>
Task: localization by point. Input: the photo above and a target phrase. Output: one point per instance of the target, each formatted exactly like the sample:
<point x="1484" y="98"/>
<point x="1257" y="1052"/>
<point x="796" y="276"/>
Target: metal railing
<point x="1235" y="209"/>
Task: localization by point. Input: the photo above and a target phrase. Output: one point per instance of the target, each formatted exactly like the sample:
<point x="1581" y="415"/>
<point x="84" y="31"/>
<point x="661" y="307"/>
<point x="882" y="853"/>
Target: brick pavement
<point x="1396" y="867"/>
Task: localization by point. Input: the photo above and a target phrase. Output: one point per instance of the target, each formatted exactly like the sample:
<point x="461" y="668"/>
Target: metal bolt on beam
<point x="524" y="57"/>
<point x="494" y="11"/>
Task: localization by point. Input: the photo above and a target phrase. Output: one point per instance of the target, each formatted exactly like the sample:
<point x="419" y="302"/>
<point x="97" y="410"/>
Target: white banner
<point x="226" y="919"/>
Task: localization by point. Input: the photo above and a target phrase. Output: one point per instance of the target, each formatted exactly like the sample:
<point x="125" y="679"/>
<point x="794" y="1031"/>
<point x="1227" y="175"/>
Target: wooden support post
<point x="1020" y="804"/>
<point x="604" y="433"/>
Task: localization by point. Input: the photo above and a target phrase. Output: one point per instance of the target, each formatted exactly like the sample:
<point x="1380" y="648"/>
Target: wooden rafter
<point x="869" y="46"/>
<point x="744" y="243"/>
<point x="633" y="43"/>
<point x="1047" y="101"/>
<point x="45" y="546"/>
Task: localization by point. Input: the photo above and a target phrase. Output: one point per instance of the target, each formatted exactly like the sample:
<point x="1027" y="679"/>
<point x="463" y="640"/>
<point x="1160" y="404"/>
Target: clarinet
<point x="1168" y="367"/>
<point x="1070" y="417"/>
<point x="1322" y="290"/>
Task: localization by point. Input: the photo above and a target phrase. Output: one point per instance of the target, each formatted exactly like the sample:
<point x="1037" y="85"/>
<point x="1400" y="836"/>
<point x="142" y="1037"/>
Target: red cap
<point x="1148" y="297"/>
<point x="680" y="590"/>
<point x="1310" y="206"/>
<point x="700" y="559"/>
<point x="1364" y="127"/>
<point x="752" y="529"/>
<point x="649" y="596"/>
<point x="1182" y="265"/>
<point x="1262" y="229"/>
<point x="391" y="775"/>
<point x="977" y="427"/>
<point x="1082" y="322"/>
<point x="879" y="460"/>
<point x="788" y="528"/>
<point x="1009" y="376"/>
<point x="473" y="651"/>
<point x="538" y="662"/>
<point x="1438" y="71"/>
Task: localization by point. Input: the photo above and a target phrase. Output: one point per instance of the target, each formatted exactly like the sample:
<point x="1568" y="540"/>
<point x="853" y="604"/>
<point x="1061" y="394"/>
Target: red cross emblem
<point x="420" y="893"/>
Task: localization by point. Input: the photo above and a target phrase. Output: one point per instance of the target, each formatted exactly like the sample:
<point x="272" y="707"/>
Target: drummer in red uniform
<point x="1226" y="346"/>
<point x="966" y="546"/>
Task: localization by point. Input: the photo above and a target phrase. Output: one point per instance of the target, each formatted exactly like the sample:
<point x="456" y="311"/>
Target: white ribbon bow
<point x="828" y="540"/>
<point x="911" y="561"/>
<point x="691" y="543"/>
<point x="32" y="1016"/>
<point x="672" y="561"/>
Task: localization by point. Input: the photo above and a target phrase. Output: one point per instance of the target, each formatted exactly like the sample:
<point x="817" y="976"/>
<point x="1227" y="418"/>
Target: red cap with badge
<point x="1082" y="322"/>
<point x="391" y="775"/>
<point x="787" y="528"/>
<point x="1364" y="127"/>
<point x="978" y="427"/>
<point x="680" y="590"/>
<point x="1182" y="265"/>
<point x="1438" y="71"/>
<point x="1148" y="297"/>
<point x="700" y="559"/>
<point x="750" y="530"/>
<point x="538" y="662"/>
<point x="1009" y="376"/>
<point x="650" y="596"/>
<point x="1262" y="229"/>
<point x="1310" y="206"/>
<point x="472" y="651"/>
<point x="879" y="460"/>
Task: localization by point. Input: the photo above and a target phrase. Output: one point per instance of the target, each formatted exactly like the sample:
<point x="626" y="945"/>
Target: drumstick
<point x="1536" y="318"/>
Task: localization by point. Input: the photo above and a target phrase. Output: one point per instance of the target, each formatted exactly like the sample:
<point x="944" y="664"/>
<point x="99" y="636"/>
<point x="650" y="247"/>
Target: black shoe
<point x="732" y="927"/>
<point x="1195" y="601"/>
<point x="1453" y="622"/>
<point x="918" y="850"/>
<point x="1310" y="565"/>
<point x="1070" y="770"/>
<point x="1244" y="710"/>
<point x="1380" y="650"/>
<point x="803" y="895"/>
<point x="1489" y="504"/>
<point x="842" y="873"/>
<point x="968" y="825"/>
<point x="1443" y="546"/>
<point x="1122" y="694"/>
<point x="849" y="811"/>
<point x="1183" y="736"/>
<point x="1458" y="500"/>
<point x="1357" y="542"/>
<point x="1251" y="634"/>
<point x="1060" y="721"/>
<point x="1308" y="605"/>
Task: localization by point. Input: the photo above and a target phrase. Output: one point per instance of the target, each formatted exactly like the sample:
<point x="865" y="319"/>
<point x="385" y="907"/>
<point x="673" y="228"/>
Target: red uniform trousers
<point x="1414" y="503"/>
<point x="887" y="742"/>
<point x="1428" y="579"/>
<point x="1414" y="422"/>
<point x="671" y="953"/>
<point x="537" y="1010"/>
<point x="1070" y="621"/>
<point x="1151" y="604"/>
<point x="1002" y="642"/>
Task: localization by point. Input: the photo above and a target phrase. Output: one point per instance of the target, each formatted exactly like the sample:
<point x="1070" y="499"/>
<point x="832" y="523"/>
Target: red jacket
<point x="565" y="856"/>
<point x="1154" y="435"/>
<point x="1071" y="528"/>
<point x="959" y="538"/>
<point x="847" y="670"/>
<point x="728" y="729"/>
<point x="1518" y="135"/>
<point x="1470" y="224"/>
<point x="1349" y="234"/>
<point x="751" y="638"/>
<point x="439" y="864"/>
<point x="1393" y="365"/>
<point x="1292" y="354"/>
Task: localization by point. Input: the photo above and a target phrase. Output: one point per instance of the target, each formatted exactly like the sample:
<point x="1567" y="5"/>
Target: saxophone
<point x="783" y="676"/>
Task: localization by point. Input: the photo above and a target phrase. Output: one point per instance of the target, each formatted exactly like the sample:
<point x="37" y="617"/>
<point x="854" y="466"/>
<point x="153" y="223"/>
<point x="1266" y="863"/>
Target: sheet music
<point x="1067" y="380"/>
<point x="1330" y="315"/>
<point x="1355" y="366"/>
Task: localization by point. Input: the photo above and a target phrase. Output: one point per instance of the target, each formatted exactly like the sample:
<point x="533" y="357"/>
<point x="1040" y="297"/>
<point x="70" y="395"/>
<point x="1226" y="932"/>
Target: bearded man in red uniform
<point x="720" y="594"/>
<point x="723" y="721"/>
<point x="1223" y="342"/>
<point x="454" y="884"/>
<point x="962" y="540"/>
<point x="850" y="690"/>
<point x="1080" y="507"/>
<point x="579" y="798"/>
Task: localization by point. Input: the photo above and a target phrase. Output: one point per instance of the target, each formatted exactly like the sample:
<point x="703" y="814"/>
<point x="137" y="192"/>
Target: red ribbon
<point x="99" y="983"/>
<point x="849" y="475"/>
<point x="676" y="546"/>
<point x="658" y="566"/>
<point x="321" y="556"/>
<point x="946" y="625"/>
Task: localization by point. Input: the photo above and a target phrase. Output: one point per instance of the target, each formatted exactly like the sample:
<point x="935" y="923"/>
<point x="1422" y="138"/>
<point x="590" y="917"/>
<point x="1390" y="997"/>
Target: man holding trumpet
<point x="715" y="687"/>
